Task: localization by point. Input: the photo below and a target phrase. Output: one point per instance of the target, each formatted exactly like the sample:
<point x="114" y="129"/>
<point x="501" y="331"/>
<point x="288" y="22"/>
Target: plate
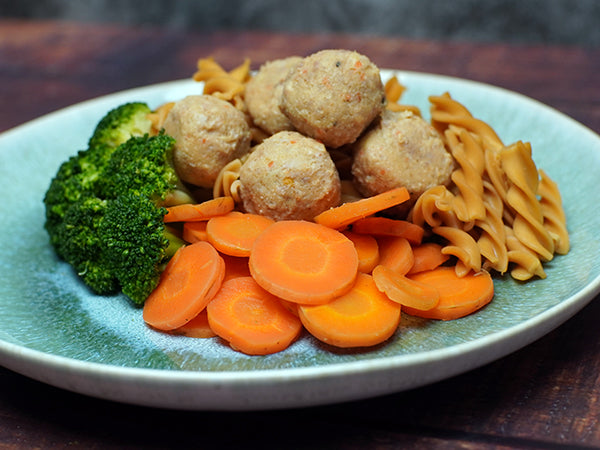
<point x="53" y="330"/>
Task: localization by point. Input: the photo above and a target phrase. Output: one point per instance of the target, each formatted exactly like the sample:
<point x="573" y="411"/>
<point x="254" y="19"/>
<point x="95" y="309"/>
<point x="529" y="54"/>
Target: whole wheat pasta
<point x="492" y="240"/>
<point x="526" y="263"/>
<point x="554" y="215"/>
<point x="468" y="202"/>
<point x="528" y="225"/>
<point x="462" y="245"/>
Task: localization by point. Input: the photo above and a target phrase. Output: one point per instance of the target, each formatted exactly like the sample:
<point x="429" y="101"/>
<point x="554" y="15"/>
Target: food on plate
<point x="400" y="149"/>
<point x="173" y="207"/>
<point x="209" y="133"/>
<point x="105" y="206"/>
<point x="333" y="95"/>
<point x="289" y="176"/>
<point x="263" y="95"/>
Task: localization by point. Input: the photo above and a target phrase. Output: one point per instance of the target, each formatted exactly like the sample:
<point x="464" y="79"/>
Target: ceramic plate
<point x="52" y="329"/>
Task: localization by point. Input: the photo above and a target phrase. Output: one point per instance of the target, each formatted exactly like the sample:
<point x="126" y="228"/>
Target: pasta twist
<point x="228" y="86"/>
<point x="554" y="215"/>
<point x="492" y="240"/>
<point x="528" y="224"/>
<point x="227" y="183"/>
<point x="468" y="203"/>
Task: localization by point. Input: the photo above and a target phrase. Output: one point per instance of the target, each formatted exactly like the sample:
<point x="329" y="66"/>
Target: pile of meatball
<point x="309" y="108"/>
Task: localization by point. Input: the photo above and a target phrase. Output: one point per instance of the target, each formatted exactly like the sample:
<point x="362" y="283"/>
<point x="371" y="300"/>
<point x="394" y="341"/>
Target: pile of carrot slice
<point x="344" y="277"/>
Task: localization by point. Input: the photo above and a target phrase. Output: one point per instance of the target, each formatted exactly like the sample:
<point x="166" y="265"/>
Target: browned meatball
<point x="333" y="95"/>
<point x="209" y="133"/>
<point x="402" y="149"/>
<point x="289" y="176"/>
<point x="263" y="95"/>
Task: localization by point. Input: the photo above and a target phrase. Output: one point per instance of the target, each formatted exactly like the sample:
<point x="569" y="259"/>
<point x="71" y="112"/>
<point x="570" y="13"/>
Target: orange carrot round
<point x="459" y="296"/>
<point x="360" y="318"/>
<point x="188" y="212"/>
<point x="405" y="291"/>
<point x="194" y="231"/>
<point x="191" y="278"/>
<point x="384" y="226"/>
<point x="342" y="216"/>
<point x="198" y="327"/>
<point x="251" y="319"/>
<point x="427" y="256"/>
<point x="303" y="262"/>
<point x="234" y="233"/>
<point x="367" y="250"/>
<point x="396" y="254"/>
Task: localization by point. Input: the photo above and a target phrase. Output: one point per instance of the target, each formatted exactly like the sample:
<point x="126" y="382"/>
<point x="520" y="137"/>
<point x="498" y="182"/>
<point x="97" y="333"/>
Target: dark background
<point x="568" y="22"/>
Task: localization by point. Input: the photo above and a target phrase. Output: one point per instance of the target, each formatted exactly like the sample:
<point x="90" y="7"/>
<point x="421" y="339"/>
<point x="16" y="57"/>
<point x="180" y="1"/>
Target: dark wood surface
<point x="547" y="395"/>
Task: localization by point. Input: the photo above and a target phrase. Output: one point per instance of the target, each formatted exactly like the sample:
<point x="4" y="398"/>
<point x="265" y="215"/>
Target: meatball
<point x="289" y="176"/>
<point x="401" y="149"/>
<point x="333" y="95"/>
<point x="209" y="133"/>
<point x="263" y="95"/>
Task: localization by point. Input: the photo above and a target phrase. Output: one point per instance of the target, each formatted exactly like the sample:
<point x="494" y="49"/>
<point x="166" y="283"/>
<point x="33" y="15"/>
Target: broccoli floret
<point x="136" y="242"/>
<point x="121" y="123"/>
<point x="105" y="207"/>
<point x="77" y="240"/>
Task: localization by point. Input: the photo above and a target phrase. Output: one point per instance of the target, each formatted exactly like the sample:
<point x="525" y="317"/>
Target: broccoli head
<point x="77" y="240"/>
<point x="105" y="207"/>
<point x="121" y="123"/>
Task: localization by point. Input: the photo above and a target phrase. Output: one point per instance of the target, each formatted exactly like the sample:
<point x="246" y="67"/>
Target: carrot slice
<point x="384" y="226"/>
<point x="194" y="231"/>
<point x="235" y="266"/>
<point x="234" y="233"/>
<point x="459" y="296"/>
<point x="405" y="291"/>
<point x="188" y="212"/>
<point x="198" y="327"/>
<point x="427" y="256"/>
<point x="190" y="279"/>
<point x="303" y="262"/>
<point x="396" y="254"/>
<point x="361" y="318"/>
<point x="342" y="216"/>
<point x="250" y="319"/>
<point x="367" y="250"/>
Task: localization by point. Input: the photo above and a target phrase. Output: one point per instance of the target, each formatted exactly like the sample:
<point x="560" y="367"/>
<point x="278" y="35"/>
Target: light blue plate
<point x="53" y="330"/>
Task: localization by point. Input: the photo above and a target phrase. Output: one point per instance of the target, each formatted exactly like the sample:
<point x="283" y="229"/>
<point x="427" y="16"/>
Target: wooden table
<point x="546" y="395"/>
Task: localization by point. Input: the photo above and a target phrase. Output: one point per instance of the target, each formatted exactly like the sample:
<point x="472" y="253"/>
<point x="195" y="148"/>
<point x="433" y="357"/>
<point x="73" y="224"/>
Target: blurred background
<point x="569" y="22"/>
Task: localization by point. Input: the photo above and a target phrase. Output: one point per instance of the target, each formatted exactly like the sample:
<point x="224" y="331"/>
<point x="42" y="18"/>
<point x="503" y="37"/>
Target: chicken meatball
<point x="333" y="95"/>
<point x="209" y="133"/>
<point x="401" y="149"/>
<point x="263" y="95"/>
<point x="289" y="176"/>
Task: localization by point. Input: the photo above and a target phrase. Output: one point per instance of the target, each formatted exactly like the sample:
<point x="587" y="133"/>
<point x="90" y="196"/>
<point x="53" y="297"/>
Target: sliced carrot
<point x="459" y="296"/>
<point x="235" y="266"/>
<point x="190" y="279"/>
<point x="250" y="319"/>
<point x="303" y="262"/>
<point x="194" y="231"/>
<point x="396" y="254"/>
<point x="367" y="250"/>
<point x="427" y="256"/>
<point x="360" y="318"/>
<point x="198" y="327"/>
<point x="384" y="226"/>
<point x="342" y="216"/>
<point x="234" y="233"/>
<point x="188" y="212"/>
<point x="405" y="291"/>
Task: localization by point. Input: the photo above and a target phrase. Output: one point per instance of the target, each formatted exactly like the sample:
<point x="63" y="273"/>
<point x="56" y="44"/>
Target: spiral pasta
<point x="500" y="211"/>
<point x="229" y="86"/>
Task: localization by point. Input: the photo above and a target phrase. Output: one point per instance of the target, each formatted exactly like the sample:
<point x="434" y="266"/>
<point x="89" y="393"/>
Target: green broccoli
<point x="105" y="206"/>
<point x="121" y="123"/>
